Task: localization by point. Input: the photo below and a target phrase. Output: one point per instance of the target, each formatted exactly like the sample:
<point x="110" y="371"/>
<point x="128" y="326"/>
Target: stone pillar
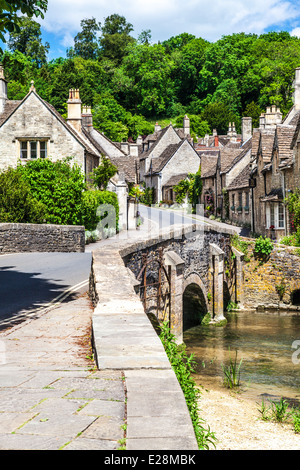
<point x="132" y="214"/>
<point x="239" y="277"/>
<point x="217" y="279"/>
<point x="175" y="266"/>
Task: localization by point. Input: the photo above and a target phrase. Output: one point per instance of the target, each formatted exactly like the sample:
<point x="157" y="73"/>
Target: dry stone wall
<point x="18" y="238"/>
<point x="271" y="284"/>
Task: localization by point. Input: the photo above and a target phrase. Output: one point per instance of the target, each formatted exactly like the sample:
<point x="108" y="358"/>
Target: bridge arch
<point x="195" y="303"/>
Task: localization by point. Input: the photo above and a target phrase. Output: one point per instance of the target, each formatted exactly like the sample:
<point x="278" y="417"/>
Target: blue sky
<point x="209" y="19"/>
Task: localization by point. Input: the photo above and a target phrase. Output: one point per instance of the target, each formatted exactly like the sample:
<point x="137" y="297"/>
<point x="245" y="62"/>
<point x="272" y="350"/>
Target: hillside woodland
<point x="132" y="82"/>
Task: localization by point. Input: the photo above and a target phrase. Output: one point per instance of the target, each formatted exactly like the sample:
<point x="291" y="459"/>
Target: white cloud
<point x="296" y="32"/>
<point x="166" y="18"/>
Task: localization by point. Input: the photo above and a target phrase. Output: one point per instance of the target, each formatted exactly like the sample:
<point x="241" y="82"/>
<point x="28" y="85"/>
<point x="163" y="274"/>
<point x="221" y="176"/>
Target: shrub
<point x="263" y="247"/>
<point x="100" y="209"/>
<point x="17" y="204"/>
<point x="58" y="186"/>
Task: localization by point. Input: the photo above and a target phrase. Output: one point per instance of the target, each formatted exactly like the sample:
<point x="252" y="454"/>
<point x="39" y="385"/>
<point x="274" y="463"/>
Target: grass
<point x="231" y="373"/>
<point x="280" y="412"/>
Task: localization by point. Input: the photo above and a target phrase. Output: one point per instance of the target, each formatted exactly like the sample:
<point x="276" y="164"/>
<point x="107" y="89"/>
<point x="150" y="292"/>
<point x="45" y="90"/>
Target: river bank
<point x="236" y="422"/>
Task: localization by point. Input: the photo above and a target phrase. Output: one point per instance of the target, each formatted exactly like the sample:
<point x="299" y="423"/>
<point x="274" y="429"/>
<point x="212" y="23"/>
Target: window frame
<point x="275" y="215"/>
<point x="30" y="150"/>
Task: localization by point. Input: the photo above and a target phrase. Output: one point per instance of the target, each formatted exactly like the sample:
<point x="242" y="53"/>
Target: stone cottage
<point x="31" y="128"/>
<point x="168" y="156"/>
<point x="275" y="168"/>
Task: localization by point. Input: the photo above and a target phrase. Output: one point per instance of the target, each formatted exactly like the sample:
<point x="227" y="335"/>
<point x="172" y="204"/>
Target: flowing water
<point x="268" y="345"/>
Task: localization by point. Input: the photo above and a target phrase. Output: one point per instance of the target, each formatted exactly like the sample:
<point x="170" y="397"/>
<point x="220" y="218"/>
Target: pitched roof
<point x="127" y="165"/>
<point x="159" y="136"/>
<point x="209" y="165"/>
<point x="228" y="157"/>
<point x="266" y="144"/>
<point x="12" y="106"/>
<point x="242" y="179"/>
<point x="166" y="155"/>
<point x="283" y="139"/>
<point x="175" y="179"/>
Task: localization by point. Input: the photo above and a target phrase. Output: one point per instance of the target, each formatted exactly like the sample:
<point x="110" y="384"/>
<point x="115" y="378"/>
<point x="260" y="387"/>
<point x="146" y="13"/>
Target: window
<point x="24" y="152"/>
<point x="31" y="149"/>
<point x="275" y="216"/>
<point x="280" y="216"/>
<point x="240" y="199"/>
<point x="43" y="149"/>
<point x="247" y="200"/>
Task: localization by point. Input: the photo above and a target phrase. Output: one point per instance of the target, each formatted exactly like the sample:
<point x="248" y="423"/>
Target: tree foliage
<point x="9" y="13"/>
<point x="131" y="83"/>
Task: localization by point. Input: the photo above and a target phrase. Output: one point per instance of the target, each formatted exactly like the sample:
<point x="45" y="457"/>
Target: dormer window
<point x="32" y="149"/>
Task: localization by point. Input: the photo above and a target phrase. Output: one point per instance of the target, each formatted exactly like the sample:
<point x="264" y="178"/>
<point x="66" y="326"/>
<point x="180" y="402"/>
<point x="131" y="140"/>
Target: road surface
<point x="31" y="282"/>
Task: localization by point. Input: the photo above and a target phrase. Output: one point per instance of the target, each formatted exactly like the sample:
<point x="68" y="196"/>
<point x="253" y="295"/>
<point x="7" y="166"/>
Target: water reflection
<point x="262" y="340"/>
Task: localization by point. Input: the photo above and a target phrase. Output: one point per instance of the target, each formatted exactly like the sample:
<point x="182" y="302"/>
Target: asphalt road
<point x="166" y="218"/>
<point x="32" y="282"/>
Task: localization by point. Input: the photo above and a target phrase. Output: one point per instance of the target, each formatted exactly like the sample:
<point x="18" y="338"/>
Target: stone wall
<point x="18" y="238"/>
<point x="271" y="284"/>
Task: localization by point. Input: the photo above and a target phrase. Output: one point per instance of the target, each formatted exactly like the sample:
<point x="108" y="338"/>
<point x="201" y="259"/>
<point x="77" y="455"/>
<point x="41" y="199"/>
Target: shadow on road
<point x="22" y="292"/>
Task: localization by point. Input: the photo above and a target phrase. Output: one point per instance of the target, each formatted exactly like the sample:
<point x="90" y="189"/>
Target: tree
<point x="115" y="37"/>
<point x="102" y="174"/>
<point x="150" y="71"/>
<point x="9" y="13"/>
<point x="28" y="41"/>
<point x="218" y="116"/>
<point x="86" y="41"/>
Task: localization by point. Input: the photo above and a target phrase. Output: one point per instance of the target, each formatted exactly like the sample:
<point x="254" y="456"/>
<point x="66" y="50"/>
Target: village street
<point x="31" y="282"/>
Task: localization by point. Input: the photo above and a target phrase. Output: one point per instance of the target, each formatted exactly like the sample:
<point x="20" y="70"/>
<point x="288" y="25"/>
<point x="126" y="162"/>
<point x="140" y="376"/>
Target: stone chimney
<point x="87" y="118"/>
<point x="246" y="128"/>
<point x="186" y="125"/>
<point x="232" y="132"/>
<point x="3" y="89"/>
<point x="157" y="127"/>
<point x="270" y="118"/>
<point x="297" y="89"/>
<point x="74" y="109"/>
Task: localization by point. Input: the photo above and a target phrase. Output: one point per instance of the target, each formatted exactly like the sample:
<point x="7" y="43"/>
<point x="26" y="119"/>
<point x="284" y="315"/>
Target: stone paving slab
<point x="54" y="397"/>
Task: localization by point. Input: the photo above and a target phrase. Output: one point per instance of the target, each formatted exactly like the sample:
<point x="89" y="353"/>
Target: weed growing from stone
<point x="183" y="366"/>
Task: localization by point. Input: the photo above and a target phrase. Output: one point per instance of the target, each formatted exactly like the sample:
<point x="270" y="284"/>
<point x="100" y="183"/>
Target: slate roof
<point x="209" y="165"/>
<point x="275" y="194"/>
<point x="127" y="165"/>
<point x="11" y="106"/>
<point x="266" y="144"/>
<point x="228" y="157"/>
<point x="160" y="134"/>
<point x="175" y="179"/>
<point x="165" y="156"/>
<point x="242" y="180"/>
<point x="283" y="139"/>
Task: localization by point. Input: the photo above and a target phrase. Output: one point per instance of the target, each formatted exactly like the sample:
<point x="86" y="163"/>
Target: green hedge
<point x="100" y="209"/>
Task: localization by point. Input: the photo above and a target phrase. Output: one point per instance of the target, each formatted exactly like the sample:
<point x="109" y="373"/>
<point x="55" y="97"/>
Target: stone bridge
<point x="184" y="276"/>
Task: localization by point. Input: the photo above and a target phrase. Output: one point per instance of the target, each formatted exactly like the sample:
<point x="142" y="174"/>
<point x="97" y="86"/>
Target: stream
<point x="268" y="344"/>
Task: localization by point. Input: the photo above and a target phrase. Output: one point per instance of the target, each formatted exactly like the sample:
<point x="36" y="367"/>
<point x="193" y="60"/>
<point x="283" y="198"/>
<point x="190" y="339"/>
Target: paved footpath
<point x="51" y="395"/>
